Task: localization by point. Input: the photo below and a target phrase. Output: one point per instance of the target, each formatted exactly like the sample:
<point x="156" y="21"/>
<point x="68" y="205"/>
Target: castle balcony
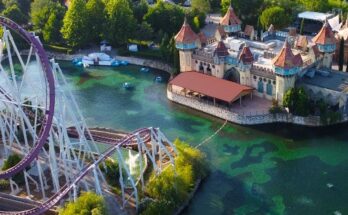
<point x="262" y="72"/>
<point x="201" y="55"/>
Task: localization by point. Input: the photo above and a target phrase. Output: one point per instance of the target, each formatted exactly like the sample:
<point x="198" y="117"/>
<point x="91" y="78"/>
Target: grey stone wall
<point x="226" y="114"/>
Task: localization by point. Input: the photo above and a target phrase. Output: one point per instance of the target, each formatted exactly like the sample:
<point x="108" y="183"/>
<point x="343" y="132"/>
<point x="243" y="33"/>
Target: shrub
<point x="10" y="162"/>
<point x="172" y="187"/>
<point x="88" y="203"/>
<point x="4" y="184"/>
<point x="111" y="172"/>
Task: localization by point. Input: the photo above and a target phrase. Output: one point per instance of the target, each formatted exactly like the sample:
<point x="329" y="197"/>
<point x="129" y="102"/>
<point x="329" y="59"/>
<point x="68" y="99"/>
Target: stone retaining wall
<point x="226" y="114"/>
<point x="155" y="64"/>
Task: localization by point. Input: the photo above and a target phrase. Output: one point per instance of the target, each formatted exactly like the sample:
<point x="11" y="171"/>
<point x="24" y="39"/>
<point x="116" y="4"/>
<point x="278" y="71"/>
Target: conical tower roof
<point x="325" y="35"/>
<point x="246" y="56"/>
<point x="221" y="50"/>
<point x="286" y="58"/>
<point x="186" y="34"/>
<point x="230" y="18"/>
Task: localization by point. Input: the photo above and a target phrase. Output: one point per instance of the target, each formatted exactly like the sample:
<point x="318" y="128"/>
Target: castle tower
<point x="186" y="41"/>
<point x="230" y="22"/>
<point x="246" y="60"/>
<point x="326" y="43"/>
<point x="286" y="66"/>
<point x="220" y="53"/>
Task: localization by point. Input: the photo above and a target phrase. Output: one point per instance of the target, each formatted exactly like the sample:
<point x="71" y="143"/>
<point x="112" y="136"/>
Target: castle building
<point x="280" y="61"/>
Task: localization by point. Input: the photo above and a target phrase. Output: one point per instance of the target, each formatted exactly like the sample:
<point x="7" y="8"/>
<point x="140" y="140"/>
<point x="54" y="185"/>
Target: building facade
<point x="272" y="65"/>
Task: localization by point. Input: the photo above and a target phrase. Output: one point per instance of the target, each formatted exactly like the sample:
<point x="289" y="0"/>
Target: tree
<point x="247" y="11"/>
<point x="140" y="9"/>
<point x="13" y="12"/>
<point x="51" y="30"/>
<point x="317" y="5"/>
<point x="96" y="19"/>
<point x="165" y="17"/>
<point x="39" y="12"/>
<point x="341" y="55"/>
<point x="201" y="5"/>
<point x="87" y="204"/>
<point x="196" y="19"/>
<point x="276" y="16"/>
<point x="75" y="30"/>
<point x="121" y="22"/>
<point x="144" y="32"/>
<point x="297" y="101"/>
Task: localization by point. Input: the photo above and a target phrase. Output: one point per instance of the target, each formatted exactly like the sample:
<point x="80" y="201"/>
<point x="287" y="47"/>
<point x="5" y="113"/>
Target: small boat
<point x="158" y="79"/>
<point x="76" y="60"/>
<point x="144" y="69"/>
<point x="99" y="59"/>
<point x="128" y="86"/>
<point x="79" y="63"/>
<point x="124" y="63"/>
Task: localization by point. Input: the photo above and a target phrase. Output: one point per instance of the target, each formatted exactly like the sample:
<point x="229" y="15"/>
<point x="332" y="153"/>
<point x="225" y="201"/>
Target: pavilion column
<point x="240" y="101"/>
<point x="214" y="102"/>
<point x="251" y="96"/>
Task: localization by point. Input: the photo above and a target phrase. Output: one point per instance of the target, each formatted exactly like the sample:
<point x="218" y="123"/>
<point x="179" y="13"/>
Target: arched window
<point x="269" y="88"/>
<point x="260" y="86"/>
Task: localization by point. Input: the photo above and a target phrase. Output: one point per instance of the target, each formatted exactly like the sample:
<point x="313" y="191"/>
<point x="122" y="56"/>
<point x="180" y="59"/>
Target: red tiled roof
<point x="316" y="50"/>
<point x="230" y="18"/>
<point x="202" y="37"/>
<point x="325" y="36"/>
<point x="221" y="30"/>
<point x="286" y="59"/>
<point x="186" y="34"/>
<point x="221" y="50"/>
<point x="210" y="86"/>
<point x="246" y="56"/>
<point x="302" y="41"/>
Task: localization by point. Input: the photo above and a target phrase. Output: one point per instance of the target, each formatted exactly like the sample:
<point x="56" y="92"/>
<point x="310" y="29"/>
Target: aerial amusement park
<point x="59" y="158"/>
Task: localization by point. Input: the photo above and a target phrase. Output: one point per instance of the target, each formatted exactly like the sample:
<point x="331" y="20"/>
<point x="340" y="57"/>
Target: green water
<point x="273" y="169"/>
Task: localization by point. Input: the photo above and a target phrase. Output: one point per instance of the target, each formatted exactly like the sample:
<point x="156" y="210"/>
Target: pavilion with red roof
<point x="195" y="84"/>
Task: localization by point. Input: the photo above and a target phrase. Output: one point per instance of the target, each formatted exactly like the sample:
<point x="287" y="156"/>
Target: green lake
<point x="268" y="169"/>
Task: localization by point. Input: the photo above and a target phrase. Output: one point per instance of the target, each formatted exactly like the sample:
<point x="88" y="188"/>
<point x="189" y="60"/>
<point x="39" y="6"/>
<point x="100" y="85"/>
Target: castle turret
<point x="220" y="53"/>
<point x="326" y="43"/>
<point x="186" y="41"/>
<point x="230" y="22"/>
<point x="246" y="60"/>
<point x="286" y="66"/>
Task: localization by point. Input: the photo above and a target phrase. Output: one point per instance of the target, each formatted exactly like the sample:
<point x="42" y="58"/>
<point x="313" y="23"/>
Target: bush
<point x="10" y="162"/>
<point x="88" y="203"/>
<point x="111" y="172"/>
<point x="4" y="184"/>
<point x="172" y="187"/>
<point x="275" y="108"/>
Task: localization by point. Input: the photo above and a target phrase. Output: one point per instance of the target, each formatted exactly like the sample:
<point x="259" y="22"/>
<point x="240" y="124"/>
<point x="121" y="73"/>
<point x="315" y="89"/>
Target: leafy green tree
<point x="13" y="12"/>
<point x="341" y="55"/>
<point x="317" y="5"/>
<point x="140" y="9"/>
<point x="297" y="101"/>
<point x="201" y="5"/>
<point x="165" y="17"/>
<point x="96" y="19"/>
<point x="196" y="19"/>
<point x="39" y="12"/>
<point x="121" y="21"/>
<point x="75" y="30"/>
<point x="87" y="204"/>
<point x="51" y="30"/>
<point x="111" y="171"/>
<point x="144" y="32"/>
<point x="276" y="16"/>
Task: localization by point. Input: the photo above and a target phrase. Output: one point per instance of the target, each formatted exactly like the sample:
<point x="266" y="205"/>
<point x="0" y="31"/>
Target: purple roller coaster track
<point x="129" y="140"/>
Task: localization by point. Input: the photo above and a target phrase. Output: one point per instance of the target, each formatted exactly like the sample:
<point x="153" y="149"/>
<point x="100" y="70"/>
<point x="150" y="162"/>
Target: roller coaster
<point x="41" y="121"/>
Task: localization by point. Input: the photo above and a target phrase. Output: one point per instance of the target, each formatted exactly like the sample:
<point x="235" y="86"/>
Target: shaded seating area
<point x="206" y="88"/>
